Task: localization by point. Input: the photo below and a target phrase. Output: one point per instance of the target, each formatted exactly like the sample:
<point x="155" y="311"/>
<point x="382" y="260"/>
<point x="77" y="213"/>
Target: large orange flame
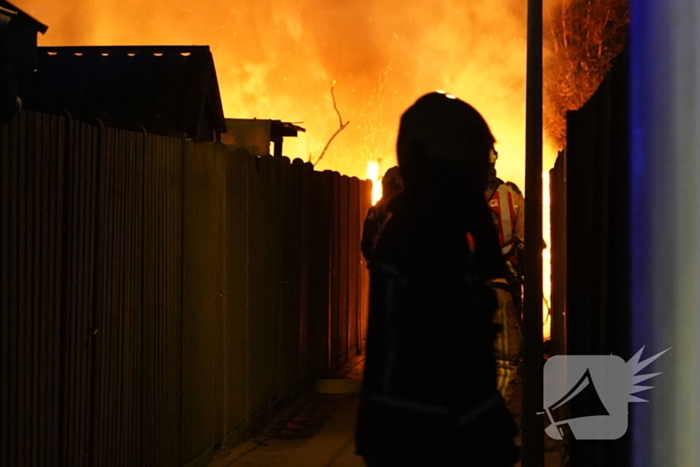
<point x="278" y="60"/>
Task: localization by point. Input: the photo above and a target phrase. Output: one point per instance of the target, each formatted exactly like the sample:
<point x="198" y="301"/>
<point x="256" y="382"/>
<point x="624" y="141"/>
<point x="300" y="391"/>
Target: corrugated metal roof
<point x="165" y="89"/>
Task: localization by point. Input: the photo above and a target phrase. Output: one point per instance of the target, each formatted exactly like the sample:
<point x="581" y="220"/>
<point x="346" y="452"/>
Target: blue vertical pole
<point x="665" y="226"/>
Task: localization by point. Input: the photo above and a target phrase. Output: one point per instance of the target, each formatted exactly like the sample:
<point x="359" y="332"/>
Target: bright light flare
<point x="373" y="174"/>
<point x="546" y="259"/>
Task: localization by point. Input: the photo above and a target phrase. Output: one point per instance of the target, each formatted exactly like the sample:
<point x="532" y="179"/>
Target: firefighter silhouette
<point x="507" y="206"/>
<point x="377" y="215"/>
<point x="429" y="393"/>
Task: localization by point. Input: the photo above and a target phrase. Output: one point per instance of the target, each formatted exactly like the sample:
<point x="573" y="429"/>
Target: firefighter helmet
<point x="393" y="176"/>
<point x="446" y="128"/>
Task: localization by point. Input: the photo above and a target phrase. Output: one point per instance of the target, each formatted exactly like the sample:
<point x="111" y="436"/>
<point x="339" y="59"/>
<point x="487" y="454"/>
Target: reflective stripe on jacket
<point x="507" y="207"/>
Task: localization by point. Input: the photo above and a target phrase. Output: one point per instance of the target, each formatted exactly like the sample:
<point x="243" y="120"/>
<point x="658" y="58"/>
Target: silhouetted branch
<point x="341" y="128"/>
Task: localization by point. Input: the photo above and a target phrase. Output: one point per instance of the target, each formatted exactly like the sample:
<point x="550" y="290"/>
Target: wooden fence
<point x="160" y="297"/>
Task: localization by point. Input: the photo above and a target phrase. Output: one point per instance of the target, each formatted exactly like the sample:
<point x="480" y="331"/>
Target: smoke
<point x="279" y="59"/>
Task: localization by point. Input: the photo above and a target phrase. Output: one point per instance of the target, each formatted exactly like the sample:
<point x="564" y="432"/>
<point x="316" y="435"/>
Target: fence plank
<point x="235" y="363"/>
<point x="6" y="189"/>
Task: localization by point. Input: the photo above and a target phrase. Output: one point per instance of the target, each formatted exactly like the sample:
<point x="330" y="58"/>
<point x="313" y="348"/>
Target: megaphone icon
<point x="583" y="389"/>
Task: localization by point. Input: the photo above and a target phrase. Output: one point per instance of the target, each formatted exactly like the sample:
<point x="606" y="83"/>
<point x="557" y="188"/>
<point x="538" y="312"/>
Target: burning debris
<point x="582" y="38"/>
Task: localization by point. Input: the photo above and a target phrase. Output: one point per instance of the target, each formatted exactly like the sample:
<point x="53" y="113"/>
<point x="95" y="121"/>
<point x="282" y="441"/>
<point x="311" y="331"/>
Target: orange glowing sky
<point x="278" y="60"/>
